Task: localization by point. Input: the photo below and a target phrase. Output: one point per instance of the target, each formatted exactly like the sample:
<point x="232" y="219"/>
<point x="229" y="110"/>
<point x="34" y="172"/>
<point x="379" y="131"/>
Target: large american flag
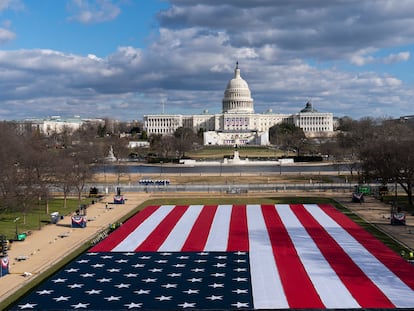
<point x="253" y="256"/>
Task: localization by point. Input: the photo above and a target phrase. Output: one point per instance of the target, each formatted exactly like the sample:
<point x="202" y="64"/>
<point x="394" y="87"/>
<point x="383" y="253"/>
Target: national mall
<point x="238" y="124"/>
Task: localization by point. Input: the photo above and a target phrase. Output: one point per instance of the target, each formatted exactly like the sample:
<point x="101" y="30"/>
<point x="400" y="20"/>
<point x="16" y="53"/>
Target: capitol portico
<point x="238" y="123"/>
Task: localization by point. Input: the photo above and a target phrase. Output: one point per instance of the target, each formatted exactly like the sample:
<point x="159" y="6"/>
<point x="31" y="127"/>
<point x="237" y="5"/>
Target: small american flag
<point x="232" y="257"/>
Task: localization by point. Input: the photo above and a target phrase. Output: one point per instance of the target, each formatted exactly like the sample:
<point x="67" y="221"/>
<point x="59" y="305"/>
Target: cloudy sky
<point x="126" y="58"/>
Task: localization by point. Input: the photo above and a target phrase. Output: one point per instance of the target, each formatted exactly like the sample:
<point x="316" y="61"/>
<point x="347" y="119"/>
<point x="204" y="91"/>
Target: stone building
<point x="238" y="124"/>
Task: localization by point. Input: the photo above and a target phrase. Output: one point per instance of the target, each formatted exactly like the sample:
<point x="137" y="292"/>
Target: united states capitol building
<point x="238" y="124"/>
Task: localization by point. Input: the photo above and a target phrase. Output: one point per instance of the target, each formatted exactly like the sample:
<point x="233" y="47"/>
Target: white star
<point x="240" y="291"/>
<point x="173" y="275"/>
<point x="197" y="270"/>
<point x="161" y="261"/>
<point x="218" y="274"/>
<point x="200" y="260"/>
<point x="131" y="275"/>
<point x="240" y="260"/>
<point x="129" y="254"/>
<point x="112" y="298"/>
<point x="149" y="280"/>
<point x="179" y="265"/>
<point x="106" y="257"/>
<point x="61" y="298"/>
<point x="104" y="280"/>
<point x="27" y="306"/>
<point x="169" y="285"/>
<point x="132" y="305"/>
<point x="213" y="297"/>
<point x="121" y="261"/>
<point x="92" y="254"/>
<point x="155" y="270"/>
<point x="183" y="257"/>
<point x="93" y="291"/>
<point x="240" y="253"/>
<point x="142" y="291"/>
<point x="195" y="280"/>
<point x="98" y="265"/>
<point x="216" y="285"/>
<point x="72" y="270"/>
<point x="80" y="305"/>
<point x="87" y="275"/>
<point x="138" y="265"/>
<point x="219" y="265"/>
<point x="59" y="280"/>
<point x="240" y="269"/>
<point x="45" y="292"/>
<point x="83" y="261"/>
<point x="191" y="291"/>
<point x="162" y="298"/>
<point x="75" y="285"/>
<point x="221" y="257"/>
<point x="203" y="253"/>
<point x="240" y="304"/>
<point x="122" y="285"/>
<point x="187" y="305"/>
<point x="145" y="257"/>
<point x="238" y="279"/>
<point x="165" y="254"/>
<point x="113" y="270"/>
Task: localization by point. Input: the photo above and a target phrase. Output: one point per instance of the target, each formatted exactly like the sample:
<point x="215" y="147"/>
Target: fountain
<point x="111" y="157"/>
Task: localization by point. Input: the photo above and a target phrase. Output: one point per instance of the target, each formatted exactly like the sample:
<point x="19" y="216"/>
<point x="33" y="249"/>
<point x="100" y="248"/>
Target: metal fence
<point x="230" y="188"/>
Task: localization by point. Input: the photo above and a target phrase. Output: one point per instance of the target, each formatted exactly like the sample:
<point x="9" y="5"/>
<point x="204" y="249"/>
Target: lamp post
<point x="15" y="221"/>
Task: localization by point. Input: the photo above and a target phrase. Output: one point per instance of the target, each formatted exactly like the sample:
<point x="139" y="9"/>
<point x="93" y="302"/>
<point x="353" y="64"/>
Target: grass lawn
<point x="220" y="152"/>
<point x="36" y="217"/>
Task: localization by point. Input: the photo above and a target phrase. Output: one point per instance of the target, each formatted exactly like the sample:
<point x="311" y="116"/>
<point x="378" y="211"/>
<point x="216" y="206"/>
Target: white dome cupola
<point x="237" y="97"/>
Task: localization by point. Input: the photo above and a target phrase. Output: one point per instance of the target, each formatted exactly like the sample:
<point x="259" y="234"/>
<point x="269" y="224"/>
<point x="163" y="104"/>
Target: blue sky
<point x="123" y="59"/>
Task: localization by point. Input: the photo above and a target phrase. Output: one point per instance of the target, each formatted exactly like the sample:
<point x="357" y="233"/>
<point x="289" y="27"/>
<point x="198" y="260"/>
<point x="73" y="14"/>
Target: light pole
<point x="15" y="221"/>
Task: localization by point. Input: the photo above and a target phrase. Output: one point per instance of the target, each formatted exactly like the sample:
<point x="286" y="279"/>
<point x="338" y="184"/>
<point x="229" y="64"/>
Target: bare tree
<point x="389" y="155"/>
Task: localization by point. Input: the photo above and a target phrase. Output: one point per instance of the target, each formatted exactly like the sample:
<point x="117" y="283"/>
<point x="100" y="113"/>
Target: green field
<point x="36" y="217"/>
<point x="221" y="152"/>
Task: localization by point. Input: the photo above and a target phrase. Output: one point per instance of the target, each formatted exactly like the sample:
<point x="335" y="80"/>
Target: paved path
<point x="49" y="245"/>
<point x="378" y="213"/>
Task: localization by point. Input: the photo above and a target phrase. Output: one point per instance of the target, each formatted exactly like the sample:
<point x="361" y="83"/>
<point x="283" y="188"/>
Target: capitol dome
<point x="237" y="97"/>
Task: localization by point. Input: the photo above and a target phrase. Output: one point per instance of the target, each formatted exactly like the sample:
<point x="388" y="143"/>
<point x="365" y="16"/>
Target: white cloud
<point x="6" y="35"/>
<point x="395" y="58"/>
<point x="93" y="11"/>
<point x="285" y="50"/>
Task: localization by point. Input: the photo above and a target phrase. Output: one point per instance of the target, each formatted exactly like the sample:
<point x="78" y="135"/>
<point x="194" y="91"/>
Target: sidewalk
<point x="46" y="247"/>
<point x="378" y="213"/>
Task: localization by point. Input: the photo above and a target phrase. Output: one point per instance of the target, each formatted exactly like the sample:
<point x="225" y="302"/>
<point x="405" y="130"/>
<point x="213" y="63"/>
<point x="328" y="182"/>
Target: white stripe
<point x="219" y="232"/>
<point x="332" y="291"/>
<point x="266" y="285"/>
<point x="397" y="291"/>
<point x="136" y="237"/>
<point x="177" y="237"/>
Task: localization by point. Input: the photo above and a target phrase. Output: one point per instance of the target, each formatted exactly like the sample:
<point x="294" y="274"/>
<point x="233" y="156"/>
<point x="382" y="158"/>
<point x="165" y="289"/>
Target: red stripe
<point x="122" y="232"/>
<point x="197" y="238"/>
<point x="292" y="273"/>
<point x="161" y="232"/>
<point x="390" y="259"/>
<point x="360" y="286"/>
<point x="238" y="232"/>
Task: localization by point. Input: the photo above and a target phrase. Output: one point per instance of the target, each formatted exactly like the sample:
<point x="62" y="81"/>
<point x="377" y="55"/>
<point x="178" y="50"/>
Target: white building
<point x="57" y="124"/>
<point x="238" y="123"/>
